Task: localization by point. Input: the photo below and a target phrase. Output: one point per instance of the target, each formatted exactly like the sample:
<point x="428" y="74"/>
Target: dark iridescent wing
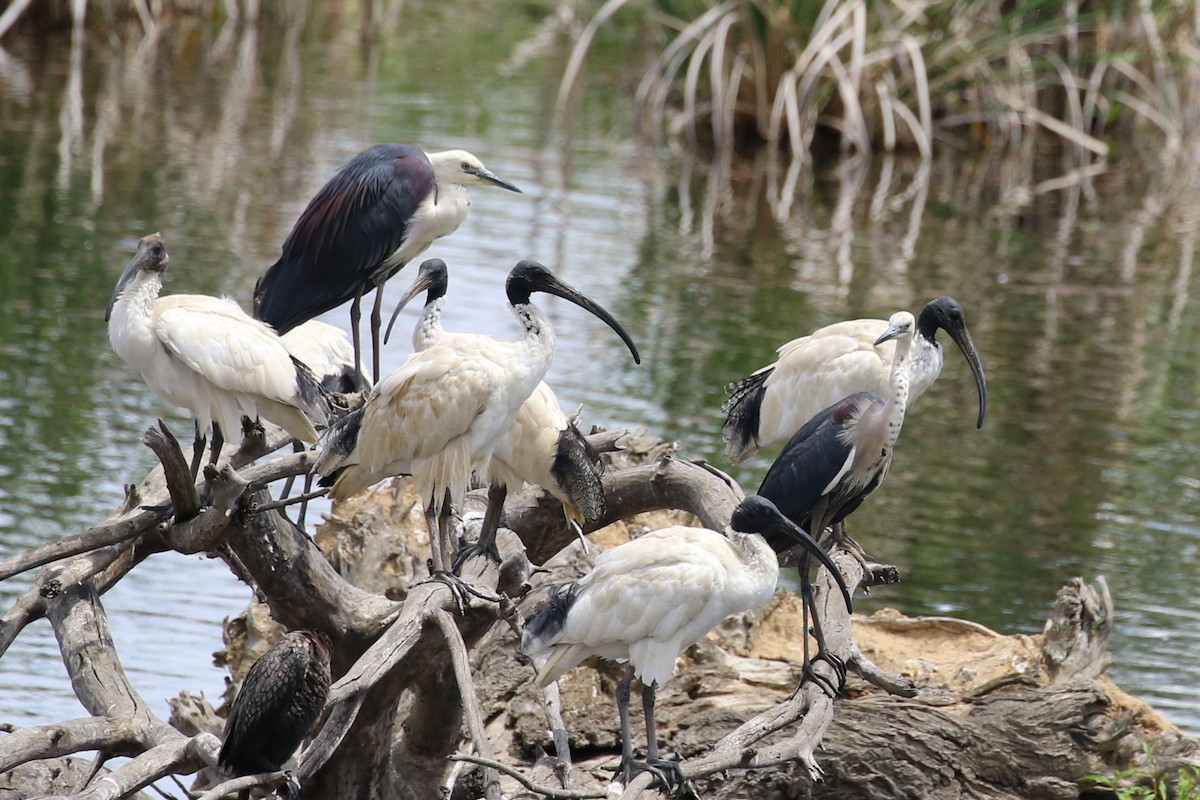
<point x="352" y="225"/>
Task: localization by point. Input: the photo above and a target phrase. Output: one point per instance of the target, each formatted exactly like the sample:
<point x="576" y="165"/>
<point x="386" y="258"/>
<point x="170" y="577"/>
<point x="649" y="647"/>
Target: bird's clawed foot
<point x="666" y="772"/>
<point x="468" y="551"/>
<point x="827" y="686"/>
<point x="463" y="591"/>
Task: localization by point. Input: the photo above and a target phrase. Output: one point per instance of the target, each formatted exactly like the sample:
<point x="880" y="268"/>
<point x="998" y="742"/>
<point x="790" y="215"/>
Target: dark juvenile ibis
<point x="542" y="446"/>
<point x="648" y="600"/>
<point x="380" y="211"/>
<point x="441" y="414"/>
<point x="817" y="370"/>
<point x="840" y="456"/>
<point x="207" y="355"/>
<point x="280" y="700"/>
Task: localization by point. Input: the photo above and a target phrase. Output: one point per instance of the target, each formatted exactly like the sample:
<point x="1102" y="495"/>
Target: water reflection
<point x="1077" y="283"/>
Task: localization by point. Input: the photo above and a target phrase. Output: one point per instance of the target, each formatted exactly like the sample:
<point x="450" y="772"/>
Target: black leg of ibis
<point x="308" y="481"/>
<point x="486" y="543"/>
<point x="218" y="442"/>
<point x="438" y="524"/>
<point x="197" y="451"/>
<point x="626" y="766"/>
<point x="666" y="771"/>
<point x="297" y="447"/>
<point x="376" y="325"/>
<point x="435" y="545"/>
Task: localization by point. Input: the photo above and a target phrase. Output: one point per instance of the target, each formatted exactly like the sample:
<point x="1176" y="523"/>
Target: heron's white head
<point x="461" y="167"/>
<point x="901" y="325"/>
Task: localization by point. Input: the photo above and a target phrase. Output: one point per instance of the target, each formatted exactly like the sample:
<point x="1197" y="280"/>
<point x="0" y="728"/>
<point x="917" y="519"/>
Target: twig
<point x="255" y="508"/>
<point x="235" y="785"/>
<point x="548" y="791"/>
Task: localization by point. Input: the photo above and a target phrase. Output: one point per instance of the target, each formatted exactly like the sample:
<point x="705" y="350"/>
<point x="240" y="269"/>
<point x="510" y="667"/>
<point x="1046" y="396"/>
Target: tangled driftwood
<point x="430" y="699"/>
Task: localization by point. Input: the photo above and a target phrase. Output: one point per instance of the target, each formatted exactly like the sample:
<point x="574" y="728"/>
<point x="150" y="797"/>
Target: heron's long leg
<point x="486" y="543"/>
<point x="355" y="318"/>
<point x="376" y="324"/>
<point x="807" y="603"/>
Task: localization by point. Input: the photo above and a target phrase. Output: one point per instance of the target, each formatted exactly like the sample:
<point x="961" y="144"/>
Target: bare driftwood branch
<point x="400" y="701"/>
<point x="671" y="483"/>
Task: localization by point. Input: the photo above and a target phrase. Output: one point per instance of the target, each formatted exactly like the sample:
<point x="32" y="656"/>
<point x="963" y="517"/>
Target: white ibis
<point x="281" y="699"/>
<point x="542" y="447"/>
<point x="207" y="355"/>
<point x="380" y="211"/>
<point x="440" y="415"/>
<point x="648" y="600"/>
<point x="840" y="456"/>
<point x="328" y="352"/>
<point x="817" y="370"/>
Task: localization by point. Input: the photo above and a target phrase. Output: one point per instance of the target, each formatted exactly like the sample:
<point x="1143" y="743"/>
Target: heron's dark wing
<point x="280" y="699"/>
<point x="810" y="462"/>
<point x="352" y="225"/>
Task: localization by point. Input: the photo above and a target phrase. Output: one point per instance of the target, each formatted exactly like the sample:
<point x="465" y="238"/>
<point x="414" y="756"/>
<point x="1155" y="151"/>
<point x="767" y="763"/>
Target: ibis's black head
<point x="757" y="514"/>
<point x="432" y="276"/>
<point x="151" y="256"/>
<point x="528" y="277"/>
<point x="946" y="313"/>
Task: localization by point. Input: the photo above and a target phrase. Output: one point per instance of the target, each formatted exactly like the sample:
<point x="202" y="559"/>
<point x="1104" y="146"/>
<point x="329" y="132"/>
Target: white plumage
<point x="328" y="352"/>
<point x="206" y="355"/>
<point x="816" y="371"/>
<point x="440" y="415"/>
<point x="647" y="600"/>
<point x="650" y="599"/>
<point x="541" y="446"/>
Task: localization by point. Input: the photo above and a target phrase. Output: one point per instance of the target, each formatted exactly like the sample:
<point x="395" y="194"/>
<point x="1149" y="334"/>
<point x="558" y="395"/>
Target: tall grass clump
<point x="894" y="74"/>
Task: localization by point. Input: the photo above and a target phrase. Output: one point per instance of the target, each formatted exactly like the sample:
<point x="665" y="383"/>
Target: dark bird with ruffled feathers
<point x="281" y="699"/>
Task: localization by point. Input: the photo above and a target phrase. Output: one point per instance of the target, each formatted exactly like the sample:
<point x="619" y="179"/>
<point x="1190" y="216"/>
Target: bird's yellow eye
<point x="466" y="167"/>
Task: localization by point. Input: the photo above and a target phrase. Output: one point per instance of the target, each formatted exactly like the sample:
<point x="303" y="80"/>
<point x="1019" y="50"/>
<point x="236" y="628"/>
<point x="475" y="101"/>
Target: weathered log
<point x="1028" y="728"/>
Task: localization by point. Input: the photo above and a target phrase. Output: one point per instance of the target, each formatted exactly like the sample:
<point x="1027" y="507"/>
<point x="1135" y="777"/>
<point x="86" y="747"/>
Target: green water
<point x="1079" y="296"/>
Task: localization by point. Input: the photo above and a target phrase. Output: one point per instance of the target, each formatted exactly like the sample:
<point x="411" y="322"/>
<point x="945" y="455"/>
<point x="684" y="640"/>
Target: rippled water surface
<point x="1078" y="287"/>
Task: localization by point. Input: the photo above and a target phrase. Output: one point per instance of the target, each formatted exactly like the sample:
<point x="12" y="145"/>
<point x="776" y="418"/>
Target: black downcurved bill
<point x="962" y="338"/>
<point x="530" y="276"/>
<point x="431" y="275"/>
<point x="790" y="529"/>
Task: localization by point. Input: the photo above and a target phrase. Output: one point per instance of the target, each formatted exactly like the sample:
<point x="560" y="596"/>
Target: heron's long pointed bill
<point x="554" y="286"/>
<point x="142" y="258"/>
<point x="487" y="176"/>
<point x="788" y="528"/>
<point x="962" y="338"/>
<point x="424" y="281"/>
